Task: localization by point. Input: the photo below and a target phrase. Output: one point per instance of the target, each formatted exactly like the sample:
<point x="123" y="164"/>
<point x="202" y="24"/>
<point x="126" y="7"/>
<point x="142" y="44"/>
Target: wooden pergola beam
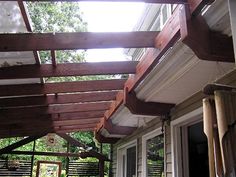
<point x="102" y="139"/>
<point x="55" y="109"/>
<point x="19" y="144"/>
<point x="51" y="117"/>
<point x="207" y="44"/>
<point x="76" y="40"/>
<point x="68" y="69"/>
<point x="137" y="106"/>
<point x="63" y="87"/>
<point x="75" y="142"/>
<point x="76" y="122"/>
<point x="57" y="99"/>
<point x="147" y="1"/>
<point x="116" y="129"/>
<point x="58" y="154"/>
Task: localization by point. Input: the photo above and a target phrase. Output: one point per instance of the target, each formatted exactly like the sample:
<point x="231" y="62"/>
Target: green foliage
<point x="57" y="17"/>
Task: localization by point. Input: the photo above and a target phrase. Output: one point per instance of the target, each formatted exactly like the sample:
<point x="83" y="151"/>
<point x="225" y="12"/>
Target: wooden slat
<point x="64" y="87"/>
<point x="54" y="60"/>
<point x="77" y="115"/>
<point x="79" y="40"/>
<point x="47" y="117"/>
<point x="76" y="122"/>
<point x="53" y="109"/>
<point x="147" y="1"/>
<point x="59" y="99"/>
<point x="68" y="69"/>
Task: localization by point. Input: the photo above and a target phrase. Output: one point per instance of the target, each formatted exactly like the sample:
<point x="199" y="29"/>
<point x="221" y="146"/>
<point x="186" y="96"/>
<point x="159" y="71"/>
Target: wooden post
<point x="232" y="12"/>
<point x="67" y="159"/>
<point x="101" y="168"/>
<point x="32" y="161"/>
<point x="111" y="157"/>
<point x="101" y="148"/>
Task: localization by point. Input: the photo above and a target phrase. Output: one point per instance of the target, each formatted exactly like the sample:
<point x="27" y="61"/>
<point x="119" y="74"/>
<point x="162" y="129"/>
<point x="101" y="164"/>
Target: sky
<point x="110" y="17"/>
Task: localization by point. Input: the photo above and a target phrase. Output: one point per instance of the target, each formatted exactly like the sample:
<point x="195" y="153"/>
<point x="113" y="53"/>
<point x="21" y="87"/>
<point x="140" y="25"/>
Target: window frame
<point x="146" y="137"/>
<point x="121" y="150"/>
<point x="178" y="159"/>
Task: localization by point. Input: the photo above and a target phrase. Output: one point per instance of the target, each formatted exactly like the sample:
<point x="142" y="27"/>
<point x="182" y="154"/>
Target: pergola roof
<point x="38" y="107"/>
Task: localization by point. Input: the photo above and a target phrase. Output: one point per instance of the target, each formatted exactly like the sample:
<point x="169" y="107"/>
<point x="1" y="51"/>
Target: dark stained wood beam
<point x="102" y="139"/>
<point x="74" y="128"/>
<point x="116" y="129"/>
<point x="68" y="69"/>
<point x="63" y="87"/>
<point x="57" y="154"/>
<point x="54" y="59"/>
<point x="209" y="89"/>
<point x="59" y="99"/>
<point x="76" y="122"/>
<point x="53" y="117"/>
<point x="137" y="106"/>
<point x="55" y="109"/>
<point x="77" y="115"/>
<point x="19" y="144"/>
<point x="147" y="1"/>
<point x="76" y="143"/>
<point x="78" y="40"/>
<point x="207" y="44"/>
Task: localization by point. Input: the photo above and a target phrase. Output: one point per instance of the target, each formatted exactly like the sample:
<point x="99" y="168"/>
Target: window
<point x="153" y="154"/>
<point x="126" y="160"/>
<point x="189" y="146"/>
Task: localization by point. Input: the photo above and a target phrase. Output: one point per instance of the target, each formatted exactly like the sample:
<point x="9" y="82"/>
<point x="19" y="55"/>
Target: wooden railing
<point x="83" y="169"/>
<point x="15" y="168"/>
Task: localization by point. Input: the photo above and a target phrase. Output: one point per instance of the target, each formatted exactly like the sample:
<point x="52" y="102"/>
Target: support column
<point x="101" y="167"/>
<point x="32" y="161"/>
<point x="232" y="12"/>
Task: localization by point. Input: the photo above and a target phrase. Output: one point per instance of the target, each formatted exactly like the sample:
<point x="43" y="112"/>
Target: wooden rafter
<point x="207" y="44"/>
<point x="137" y="106"/>
<point x="19" y="144"/>
<point x="75" y="142"/>
<point x="116" y="129"/>
<point x="54" y="59"/>
<point x="44" y="100"/>
<point x="147" y="1"/>
<point x="55" y="109"/>
<point x="68" y="69"/>
<point x="63" y="87"/>
<point x="77" y="40"/>
<point x="103" y="139"/>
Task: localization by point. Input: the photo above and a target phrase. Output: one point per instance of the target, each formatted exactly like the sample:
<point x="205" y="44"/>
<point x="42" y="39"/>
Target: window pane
<point x="155" y="156"/>
<point x="131" y="161"/>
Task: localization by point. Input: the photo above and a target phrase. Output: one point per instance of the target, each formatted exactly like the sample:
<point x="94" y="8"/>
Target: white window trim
<point x="146" y="137"/>
<point x="187" y="119"/>
<point x="119" y="158"/>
